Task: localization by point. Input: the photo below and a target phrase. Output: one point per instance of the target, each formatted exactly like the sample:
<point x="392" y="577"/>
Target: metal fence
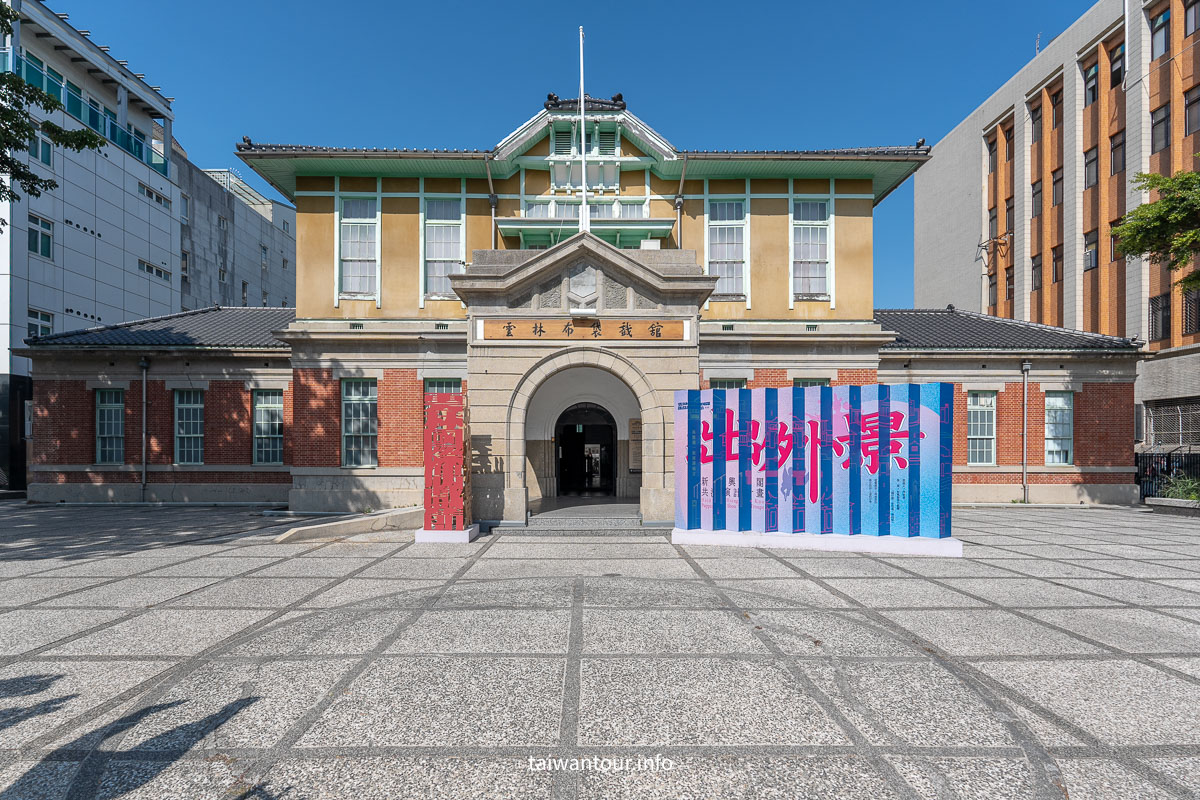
<point x="1153" y="470"/>
<point x="1173" y="422"/>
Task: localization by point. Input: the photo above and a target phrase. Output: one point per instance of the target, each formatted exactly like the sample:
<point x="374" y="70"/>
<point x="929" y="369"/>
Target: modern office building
<point x="130" y="232"/>
<point x="1014" y="211"/>
<point x="237" y="247"/>
<point x="568" y="312"/>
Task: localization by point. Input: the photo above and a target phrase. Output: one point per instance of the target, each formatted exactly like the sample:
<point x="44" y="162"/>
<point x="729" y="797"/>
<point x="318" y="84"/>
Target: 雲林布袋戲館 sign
<point x="584" y="329"/>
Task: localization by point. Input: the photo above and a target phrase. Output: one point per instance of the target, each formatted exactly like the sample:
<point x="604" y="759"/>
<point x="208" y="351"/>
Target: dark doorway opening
<point x="586" y="444"/>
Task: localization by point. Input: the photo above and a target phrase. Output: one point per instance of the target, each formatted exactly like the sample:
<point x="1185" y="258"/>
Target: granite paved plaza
<point x="178" y="653"/>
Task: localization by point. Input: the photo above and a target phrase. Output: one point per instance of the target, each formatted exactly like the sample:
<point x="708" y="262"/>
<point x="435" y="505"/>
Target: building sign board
<point x="447" y="463"/>
<point x="635" y="445"/>
<point x="856" y="460"/>
<point x="584" y="329"/>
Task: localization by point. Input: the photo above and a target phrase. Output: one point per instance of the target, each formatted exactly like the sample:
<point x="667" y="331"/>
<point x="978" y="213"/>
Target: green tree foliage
<point x="17" y="127"/>
<point x="1166" y="231"/>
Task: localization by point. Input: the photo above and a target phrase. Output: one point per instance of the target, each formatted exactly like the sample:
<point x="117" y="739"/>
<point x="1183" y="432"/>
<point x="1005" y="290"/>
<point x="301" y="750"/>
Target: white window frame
<point x="189" y="440"/>
<point x="41" y="150"/>
<point x="264" y="256"/>
<point x="1160" y="23"/>
<point x="365" y="437"/>
<point x="983" y="404"/>
<point x="820" y="228"/>
<point x="453" y="266"/>
<point x="727" y="383"/>
<point x="185" y="209"/>
<point x="741" y="226"/>
<point x="267" y="430"/>
<point x="1060" y="417"/>
<point x="110" y="427"/>
<point x="44" y="229"/>
<point x="805" y="383"/>
<point x="369" y="223"/>
<point x="39" y="319"/>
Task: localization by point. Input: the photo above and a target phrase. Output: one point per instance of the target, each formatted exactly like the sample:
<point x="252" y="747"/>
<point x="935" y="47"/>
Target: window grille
<point x="1173" y="422"/>
<point x="268" y="426"/>
<point x="360" y="423"/>
<point x="189" y="426"/>
<point x="726" y="237"/>
<point x="981" y="428"/>
<point x="358" y="232"/>
<point x="110" y="426"/>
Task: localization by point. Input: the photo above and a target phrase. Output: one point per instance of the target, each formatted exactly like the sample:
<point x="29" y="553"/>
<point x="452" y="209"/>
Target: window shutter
<point x="608" y="143"/>
<point x="562" y="142"/>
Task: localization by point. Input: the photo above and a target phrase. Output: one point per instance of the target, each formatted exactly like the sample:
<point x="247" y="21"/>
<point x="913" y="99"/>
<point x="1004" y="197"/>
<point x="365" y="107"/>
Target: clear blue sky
<point x="382" y="73"/>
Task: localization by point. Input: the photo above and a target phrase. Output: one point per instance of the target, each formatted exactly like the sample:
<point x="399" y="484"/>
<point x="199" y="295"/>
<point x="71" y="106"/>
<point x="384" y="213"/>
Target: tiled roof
<point x="210" y="328"/>
<point x="890" y="151"/>
<point x="248" y="146"/>
<point x="953" y="329"/>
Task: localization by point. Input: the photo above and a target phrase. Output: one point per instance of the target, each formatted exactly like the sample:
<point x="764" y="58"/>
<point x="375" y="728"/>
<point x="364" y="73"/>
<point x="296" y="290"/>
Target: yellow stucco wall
<point x="769" y="229"/>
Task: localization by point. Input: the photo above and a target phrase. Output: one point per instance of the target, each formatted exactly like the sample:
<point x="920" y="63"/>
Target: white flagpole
<point x="585" y="220"/>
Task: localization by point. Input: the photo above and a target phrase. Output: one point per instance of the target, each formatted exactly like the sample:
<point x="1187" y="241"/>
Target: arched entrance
<point x="585" y="438"/>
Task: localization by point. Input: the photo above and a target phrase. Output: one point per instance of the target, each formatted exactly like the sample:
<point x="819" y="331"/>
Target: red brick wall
<point x="778" y="379"/>
<point x="1103" y="433"/>
<point x="317" y="418"/>
<point x="768" y="379"/>
<point x="856" y="377"/>
<point x="401" y="419"/>
<point x="64" y="423"/>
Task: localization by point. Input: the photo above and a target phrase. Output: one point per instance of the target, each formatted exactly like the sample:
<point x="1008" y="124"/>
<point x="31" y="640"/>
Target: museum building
<point x="568" y="281"/>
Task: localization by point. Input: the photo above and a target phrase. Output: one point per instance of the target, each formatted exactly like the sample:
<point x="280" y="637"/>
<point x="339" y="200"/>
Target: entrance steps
<point x="587" y="520"/>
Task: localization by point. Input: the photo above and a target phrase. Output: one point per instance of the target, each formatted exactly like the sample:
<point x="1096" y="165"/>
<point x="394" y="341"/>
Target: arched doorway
<point x="585" y="438"/>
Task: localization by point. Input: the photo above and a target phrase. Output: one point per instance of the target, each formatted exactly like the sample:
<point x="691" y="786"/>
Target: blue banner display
<point x="854" y="460"/>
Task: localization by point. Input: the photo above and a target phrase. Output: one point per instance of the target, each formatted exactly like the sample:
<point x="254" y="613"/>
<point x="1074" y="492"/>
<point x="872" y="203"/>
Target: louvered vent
<point x="608" y="143"/>
<point x="562" y="142"/>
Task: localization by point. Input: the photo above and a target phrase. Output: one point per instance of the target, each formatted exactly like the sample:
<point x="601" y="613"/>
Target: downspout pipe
<point x="492" y="199"/>
<point x="679" y="205"/>
<point x="1025" y="367"/>
<point x="144" y="365"/>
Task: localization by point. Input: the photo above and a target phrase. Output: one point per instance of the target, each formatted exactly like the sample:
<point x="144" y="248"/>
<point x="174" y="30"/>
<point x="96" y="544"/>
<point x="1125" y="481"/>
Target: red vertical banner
<point x="447" y="463"/>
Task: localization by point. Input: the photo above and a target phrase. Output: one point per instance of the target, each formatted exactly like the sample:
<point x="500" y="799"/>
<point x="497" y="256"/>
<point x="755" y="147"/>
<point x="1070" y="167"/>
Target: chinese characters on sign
<point x="447" y="463"/>
<point x="872" y="460"/>
<point x="598" y="329"/>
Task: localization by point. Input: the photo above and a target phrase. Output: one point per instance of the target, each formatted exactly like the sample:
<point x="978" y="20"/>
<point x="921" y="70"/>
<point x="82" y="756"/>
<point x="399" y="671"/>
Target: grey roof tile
<point x="213" y="327"/>
<point x="954" y="329"/>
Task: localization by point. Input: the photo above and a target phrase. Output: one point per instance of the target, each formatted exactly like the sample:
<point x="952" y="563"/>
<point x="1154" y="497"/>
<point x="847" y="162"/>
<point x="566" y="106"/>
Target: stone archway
<point x="654" y="504"/>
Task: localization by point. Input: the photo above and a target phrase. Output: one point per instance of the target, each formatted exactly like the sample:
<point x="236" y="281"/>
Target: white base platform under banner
<point x="450" y="537"/>
<point x="891" y="545"/>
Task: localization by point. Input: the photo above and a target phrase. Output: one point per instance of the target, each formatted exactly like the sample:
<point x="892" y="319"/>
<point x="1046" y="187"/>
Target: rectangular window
<point x="358" y="236"/>
<point x="810" y="249"/>
<point x="360" y="423"/>
<point x="1160" y="35"/>
<point x="993" y="224"/>
<point x="189" y="426"/>
<point x="726" y="240"/>
<point x="40" y="150"/>
<point x="1060" y="428"/>
<point x="153" y="196"/>
<point x="222" y="275"/>
<point x="1160" y="128"/>
<point x="1191" y="111"/>
<point x="981" y="428"/>
<point x="1035" y="273"/>
<point x="1056" y="110"/>
<point x="727" y="383"/>
<point x="287" y="227"/>
<point x="185" y="261"/>
<point x="1009" y="284"/>
<point x="41" y="323"/>
<point x="1091" y="168"/>
<point x="443" y="386"/>
<point x="991" y="148"/>
<point x="1191" y="17"/>
<point x="1035" y="124"/>
<point x="1035" y="204"/>
<point x="1114" y="245"/>
<point x="154" y="271"/>
<point x="222" y="223"/>
<point x="1160" y="317"/>
<point x="245" y="293"/>
<point x="1091" y="255"/>
<point x="1116" y="151"/>
<point x="443" y="245"/>
<point x="1056" y="187"/>
<point x="1008" y="144"/>
<point x="1091" y="84"/>
<point x="264" y="299"/>
<point x="41" y="237"/>
<point x="268" y="426"/>
<point x="1116" y="61"/>
<point x="1008" y="215"/>
<point x="1056" y="264"/>
<point x="264" y="256"/>
<point x="1191" y="311"/>
<point x="992" y="290"/>
<point x="110" y="426"/>
<point x="185" y="209"/>
<point x="285" y="264"/>
<point x="804" y="383"/>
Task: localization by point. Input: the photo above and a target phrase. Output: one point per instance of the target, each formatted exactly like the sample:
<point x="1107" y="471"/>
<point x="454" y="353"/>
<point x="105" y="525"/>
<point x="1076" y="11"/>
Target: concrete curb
<point x="1169" y="505"/>
<point x="891" y="545"/>
<point x="395" y="519"/>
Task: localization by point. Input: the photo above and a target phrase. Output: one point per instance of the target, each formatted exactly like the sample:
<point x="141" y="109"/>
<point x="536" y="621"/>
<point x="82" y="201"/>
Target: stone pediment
<point x="584" y="274"/>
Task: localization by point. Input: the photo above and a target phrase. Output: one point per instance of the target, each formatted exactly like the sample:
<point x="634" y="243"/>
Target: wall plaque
<point x="583" y="330"/>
